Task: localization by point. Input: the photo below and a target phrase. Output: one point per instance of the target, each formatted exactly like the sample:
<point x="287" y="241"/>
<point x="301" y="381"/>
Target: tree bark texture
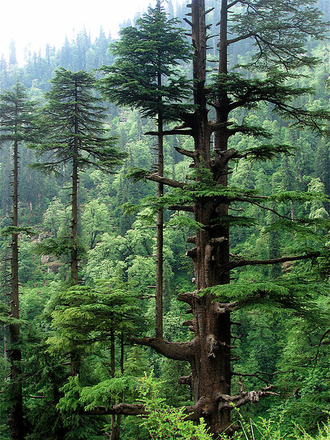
<point x="211" y="371"/>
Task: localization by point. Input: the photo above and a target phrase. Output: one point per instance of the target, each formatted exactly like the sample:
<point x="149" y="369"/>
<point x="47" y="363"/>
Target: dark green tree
<point x="146" y="76"/>
<point x="276" y="31"/>
<point x="97" y="321"/>
<point x="17" y="127"/>
<point x="76" y="135"/>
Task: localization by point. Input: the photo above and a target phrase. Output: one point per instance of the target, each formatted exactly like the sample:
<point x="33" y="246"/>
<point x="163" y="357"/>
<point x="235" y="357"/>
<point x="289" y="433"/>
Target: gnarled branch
<point x="243" y="398"/>
<point x="165" y="180"/>
<point x="188" y="153"/>
<point x="188" y="297"/>
<point x="180" y="351"/>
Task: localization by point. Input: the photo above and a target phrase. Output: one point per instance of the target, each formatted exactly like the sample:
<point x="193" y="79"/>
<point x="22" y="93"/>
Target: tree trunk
<point x="211" y="372"/>
<point x="75" y="355"/>
<point x="74" y="221"/>
<point x="160" y="234"/>
<point x="16" y="425"/>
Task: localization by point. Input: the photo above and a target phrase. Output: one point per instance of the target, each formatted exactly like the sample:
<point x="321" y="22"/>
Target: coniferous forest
<point x="165" y="244"/>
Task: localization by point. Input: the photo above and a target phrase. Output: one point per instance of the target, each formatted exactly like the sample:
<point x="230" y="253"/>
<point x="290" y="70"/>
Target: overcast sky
<point x="34" y="23"/>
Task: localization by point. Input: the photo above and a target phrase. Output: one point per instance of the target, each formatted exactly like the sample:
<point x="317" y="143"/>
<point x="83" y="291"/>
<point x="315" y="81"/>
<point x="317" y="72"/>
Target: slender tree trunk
<point x="75" y="355"/>
<point x="115" y="418"/>
<point x="74" y="221"/>
<point x="160" y="234"/>
<point x="115" y="427"/>
<point x="16" y="425"/>
<point x="160" y="213"/>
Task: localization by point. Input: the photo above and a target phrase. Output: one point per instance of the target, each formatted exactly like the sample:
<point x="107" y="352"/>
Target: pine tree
<point x="145" y="76"/>
<point x="17" y="126"/>
<point x="76" y="135"/>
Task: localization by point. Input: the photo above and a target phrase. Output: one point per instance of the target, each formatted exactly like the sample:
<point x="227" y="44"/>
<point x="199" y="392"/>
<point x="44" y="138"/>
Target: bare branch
<point x="242" y="37"/>
<point x="185" y="380"/>
<point x="214" y="126"/>
<point x="127" y="409"/>
<point x="194" y="412"/>
<point x="241" y="263"/>
<point x="180" y="351"/>
<point x="226" y="307"/>
<point x="233" y="3"/>
<point x="200" y="409"/>
<point x="188" y="297"/>
<point x="271" y="210"/>
<point x="165" y="181"/>
<point x="188" y="153"/>
<point x="244" y="397"/>
<point x="171" y="132"/>
<point x="181" y="208"/>
<point x="188" y="21"/>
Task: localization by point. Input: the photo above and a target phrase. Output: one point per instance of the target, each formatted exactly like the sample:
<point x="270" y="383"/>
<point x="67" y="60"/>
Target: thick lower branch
<point x="181" y="208"/>
<point x="198" y="410"/>
<point x="126" y="409"/>
<point x="226" y="401"/>
<point x="194" y="412"/>
<point x="180" y="351"/>
<point x="187" y="153"/>
<point x="165" y="181"/>
<point x="189" y="297"/>
<point x="172" y="132"/>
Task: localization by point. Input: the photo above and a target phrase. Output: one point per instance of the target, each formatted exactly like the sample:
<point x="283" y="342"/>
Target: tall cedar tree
<point x="17" y="126"/>
<point x="278" y="29"/>
<point x="76" y="135"/>
<point x="145" y="76"/>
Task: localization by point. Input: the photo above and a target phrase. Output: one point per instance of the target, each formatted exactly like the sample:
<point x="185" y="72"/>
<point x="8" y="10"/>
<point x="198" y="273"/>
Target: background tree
<point x="17" y="126"/>
<point x="76" y="135"/>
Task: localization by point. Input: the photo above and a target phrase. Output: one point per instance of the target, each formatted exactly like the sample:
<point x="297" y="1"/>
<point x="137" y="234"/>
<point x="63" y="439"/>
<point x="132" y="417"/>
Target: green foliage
<point x="107" y="392"/>
<point x="53" y="246"/>
<point x="284" y="294"/>
<point x="146" y="53"/>
<point x="164" y="422"/>
<point x="74" y="118"/>
<point x="271" y="340"/>
<point x="86" y="315"/>
<point x="9" y="230"/>
<point x="18" y="116"/>
<point x="281" y="40"/>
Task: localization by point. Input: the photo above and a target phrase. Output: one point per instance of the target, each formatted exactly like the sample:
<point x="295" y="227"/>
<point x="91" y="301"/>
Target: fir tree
<point x="145" y="76"/>
<point x="17" y="126"/>
<point x="76" y="135"/>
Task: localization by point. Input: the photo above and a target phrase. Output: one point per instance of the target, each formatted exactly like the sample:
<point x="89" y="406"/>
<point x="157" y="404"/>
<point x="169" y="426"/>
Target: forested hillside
<point x="164" y="245"/>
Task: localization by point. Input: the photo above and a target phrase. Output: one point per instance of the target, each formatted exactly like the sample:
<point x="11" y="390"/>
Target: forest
<point x="164" y="210"/>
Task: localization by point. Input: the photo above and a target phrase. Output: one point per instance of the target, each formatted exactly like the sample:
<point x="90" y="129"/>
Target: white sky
<point x="34" y="23"/>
